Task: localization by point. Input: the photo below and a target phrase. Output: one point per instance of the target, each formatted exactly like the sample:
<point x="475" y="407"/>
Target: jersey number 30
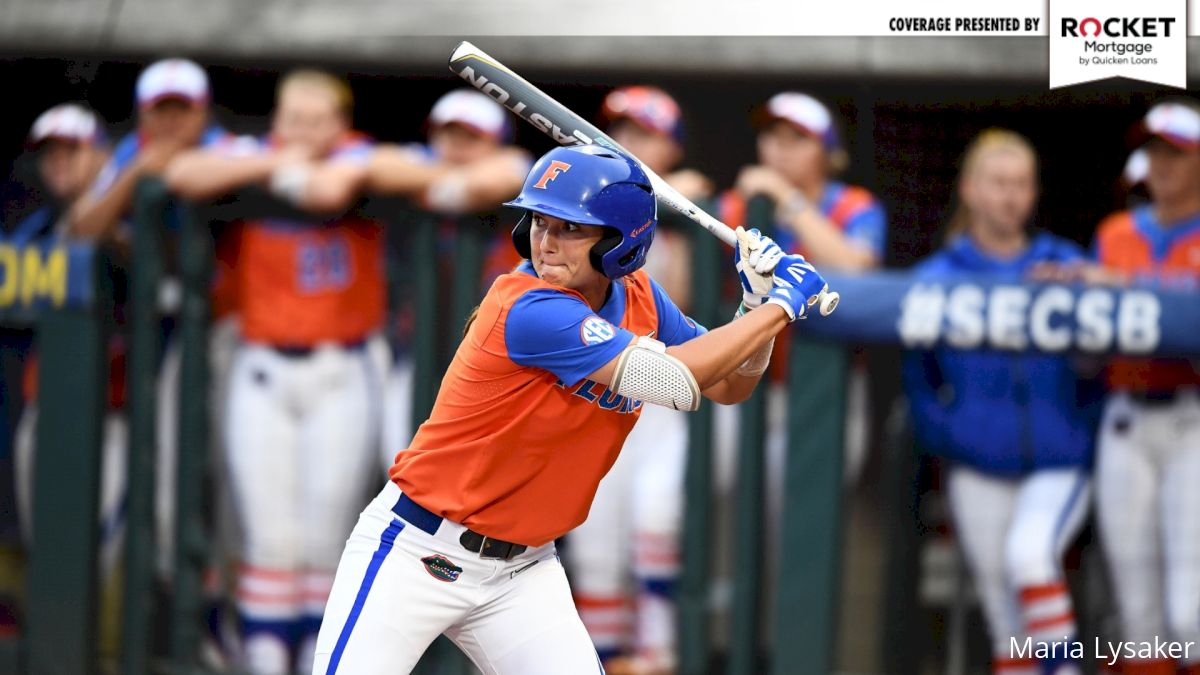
<point x="323" y="266"/>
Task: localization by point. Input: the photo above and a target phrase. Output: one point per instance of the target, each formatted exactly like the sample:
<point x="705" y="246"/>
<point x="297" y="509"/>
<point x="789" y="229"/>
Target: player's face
<point x="174" y="120"/>
<point x="1173" y="173"/>
<point x="308" y="117"/>
<point x="458" y="145"/>
<point x="1001" y="191"/>
<point x="67" y="168"/>
<point x="800" y="158"/>
<point x="660" y="153"/>
<point x="560" y="252"/>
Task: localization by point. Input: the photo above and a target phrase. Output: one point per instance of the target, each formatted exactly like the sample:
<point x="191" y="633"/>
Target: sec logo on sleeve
<point x="596" y="331"/>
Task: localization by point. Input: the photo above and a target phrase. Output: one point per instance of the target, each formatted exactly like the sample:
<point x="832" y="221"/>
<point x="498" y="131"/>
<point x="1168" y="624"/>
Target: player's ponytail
<point x="470" y="320"/>
<point x="988" y="142"/>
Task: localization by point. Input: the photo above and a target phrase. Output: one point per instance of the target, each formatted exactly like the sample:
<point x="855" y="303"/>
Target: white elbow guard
<point x="646" y="372"/>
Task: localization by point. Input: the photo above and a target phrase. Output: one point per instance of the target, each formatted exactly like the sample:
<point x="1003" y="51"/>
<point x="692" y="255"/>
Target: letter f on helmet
<point x="556" y="167"/>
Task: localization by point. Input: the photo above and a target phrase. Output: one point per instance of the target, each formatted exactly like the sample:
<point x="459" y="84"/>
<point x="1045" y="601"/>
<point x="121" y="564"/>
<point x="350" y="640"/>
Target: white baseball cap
<point x="68" y="122"/>
<point x="1172" y="121"/>
<point x="649" y="107"/>
<point x="471" y="109"/>
<point x="804" y="113"/>
<point x="1136" y="167"/>
<point x="172" y="78"/>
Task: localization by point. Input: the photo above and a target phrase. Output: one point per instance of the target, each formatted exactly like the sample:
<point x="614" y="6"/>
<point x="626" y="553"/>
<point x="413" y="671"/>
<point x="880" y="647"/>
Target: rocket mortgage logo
<point x="1098" y="39"/>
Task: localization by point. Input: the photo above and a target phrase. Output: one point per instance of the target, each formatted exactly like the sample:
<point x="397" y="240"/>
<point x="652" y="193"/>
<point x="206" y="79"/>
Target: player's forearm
<point x="826" y="246"/>
<point x="202" y="176"/>
<point x="392" y="171"/>
<point x="333" y="187"/>
<point x="95" y="217"/>
<point x="735" y="388"/>
<point x="493" y="182"/>
<point x="712" y="357"/>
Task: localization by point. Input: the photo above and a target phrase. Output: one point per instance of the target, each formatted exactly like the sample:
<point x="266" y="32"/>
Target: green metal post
<point x="60" y="634"/>
<point x="195" y="267"/>
<point x="696" y="547"/>
<point x="145" y="347"/>
<point x="810" y="545"/>
<point x="901" y="642"/>
<point x="426" y="373"/>
<point x="749" y="535"/>
<point x="749" y="529"/>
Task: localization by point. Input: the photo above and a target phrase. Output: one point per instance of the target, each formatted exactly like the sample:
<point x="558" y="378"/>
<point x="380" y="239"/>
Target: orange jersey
<point x="300" y="284"/>
<point x="1133" y="242"/>
<point x="518" y="439"/>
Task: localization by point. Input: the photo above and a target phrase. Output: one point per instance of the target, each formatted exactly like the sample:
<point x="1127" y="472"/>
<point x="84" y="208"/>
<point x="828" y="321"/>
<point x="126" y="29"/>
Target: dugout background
<point x="904" y="132"/>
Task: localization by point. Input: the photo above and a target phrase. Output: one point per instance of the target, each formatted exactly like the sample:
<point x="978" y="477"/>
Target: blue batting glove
<point x="797" y="286"/>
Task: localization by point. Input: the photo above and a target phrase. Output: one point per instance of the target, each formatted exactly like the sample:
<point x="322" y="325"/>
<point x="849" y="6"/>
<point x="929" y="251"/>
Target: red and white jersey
<point x="1135" y="243"/>
<point x="300" y="284"/>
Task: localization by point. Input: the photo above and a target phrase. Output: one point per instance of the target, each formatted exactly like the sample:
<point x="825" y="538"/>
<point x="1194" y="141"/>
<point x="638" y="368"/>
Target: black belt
<point x="488" y="548"/>
<point x="300" y="351"/>
<point x="1155" y="397"/>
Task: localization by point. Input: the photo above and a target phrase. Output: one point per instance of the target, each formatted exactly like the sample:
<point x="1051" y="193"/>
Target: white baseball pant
<point x="1013" y="533"/>
<point x="510" y="617"/>
<point x="301" y="438"/>
<point x="1148" y="504"/>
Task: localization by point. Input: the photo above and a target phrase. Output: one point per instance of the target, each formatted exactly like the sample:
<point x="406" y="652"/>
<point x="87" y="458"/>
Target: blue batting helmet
<point x="592" y="185"/>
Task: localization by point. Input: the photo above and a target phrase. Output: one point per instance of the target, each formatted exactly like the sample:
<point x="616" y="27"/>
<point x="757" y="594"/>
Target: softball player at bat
<point x="1013" y="428"/>
<point x="547" y="383"/>
<point x="301" y="423"/>
<point x="1149" y="447"/>
<point x="629" y="541"/>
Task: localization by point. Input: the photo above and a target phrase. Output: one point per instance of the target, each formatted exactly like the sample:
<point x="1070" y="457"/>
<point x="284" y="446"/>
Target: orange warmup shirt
<point x="1135" y="243"/>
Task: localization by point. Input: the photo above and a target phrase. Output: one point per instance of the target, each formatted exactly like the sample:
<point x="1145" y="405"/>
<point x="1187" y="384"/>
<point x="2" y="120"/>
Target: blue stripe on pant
<point x="386" y="541"/>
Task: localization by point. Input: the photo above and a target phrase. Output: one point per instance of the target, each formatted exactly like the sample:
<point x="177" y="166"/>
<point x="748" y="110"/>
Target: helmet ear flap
<point x="612" y="237"/>
<point x="520" y="236"/>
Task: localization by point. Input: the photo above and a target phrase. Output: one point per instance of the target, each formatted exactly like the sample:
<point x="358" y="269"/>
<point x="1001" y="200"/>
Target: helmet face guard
<point x="590" y="185"/>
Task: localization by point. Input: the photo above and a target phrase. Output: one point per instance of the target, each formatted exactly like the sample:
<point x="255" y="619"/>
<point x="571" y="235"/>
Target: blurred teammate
<point x="172" y="98"/>
<point x="71" y="147"/>
<point x="1013" y="428"/>
<point x="467" y="166"/>
<point x="633" y="528"/>
<point x="302" y="415"/>
<point x="547" y="383"/>
<point x="1149" y="447"/>
<point x="838" y="226"/>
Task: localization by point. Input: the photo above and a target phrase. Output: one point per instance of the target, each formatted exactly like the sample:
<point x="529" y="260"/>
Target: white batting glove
<point x="755" y="258"/>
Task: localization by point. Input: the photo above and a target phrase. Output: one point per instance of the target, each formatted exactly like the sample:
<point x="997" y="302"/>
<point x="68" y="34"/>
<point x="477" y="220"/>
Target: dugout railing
<point x="65" y="293"/>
